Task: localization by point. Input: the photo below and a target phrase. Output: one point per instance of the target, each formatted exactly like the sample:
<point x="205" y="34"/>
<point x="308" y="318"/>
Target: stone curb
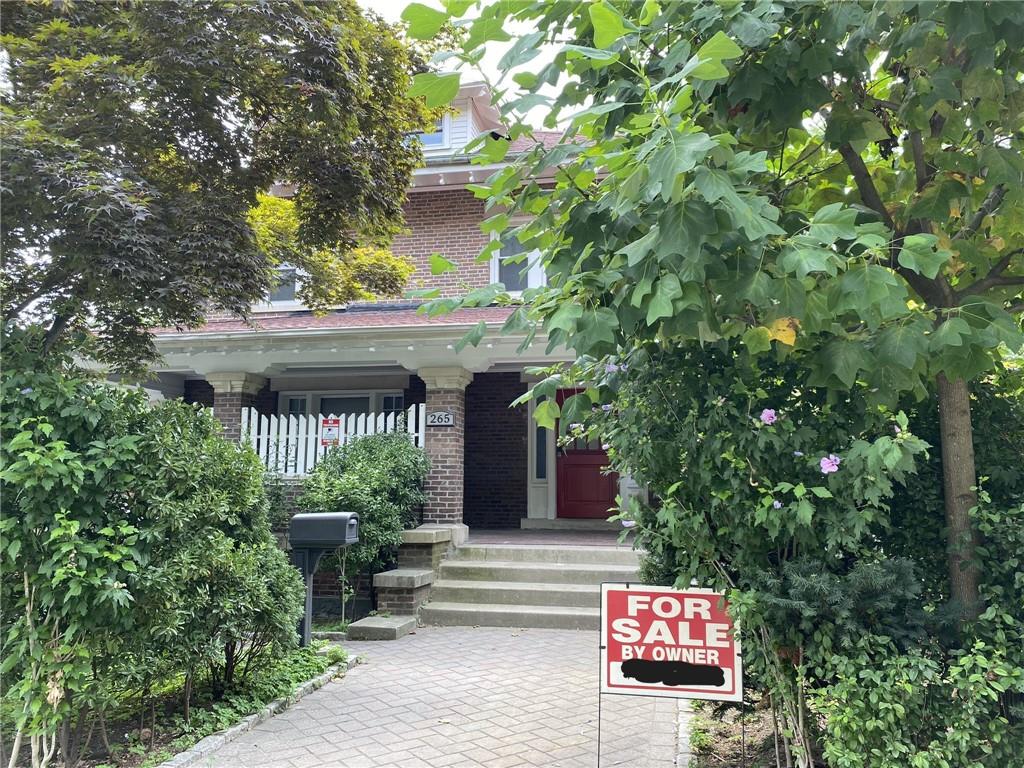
<point x="205" y="746"/>
<point x="332" y="636"/>
<point x="684" y="714"/>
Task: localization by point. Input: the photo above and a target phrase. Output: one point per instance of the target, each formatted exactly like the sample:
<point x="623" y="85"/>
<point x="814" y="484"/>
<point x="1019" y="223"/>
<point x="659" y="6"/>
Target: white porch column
<point x="233" y="391"/>
<point x="446" y="447"/>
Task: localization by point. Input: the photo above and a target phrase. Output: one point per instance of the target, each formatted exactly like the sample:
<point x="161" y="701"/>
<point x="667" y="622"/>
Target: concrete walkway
<point x="464" y="697"/>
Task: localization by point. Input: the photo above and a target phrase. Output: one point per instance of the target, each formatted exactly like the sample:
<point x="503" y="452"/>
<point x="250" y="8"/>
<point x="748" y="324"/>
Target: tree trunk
<point x="958" y="483"/>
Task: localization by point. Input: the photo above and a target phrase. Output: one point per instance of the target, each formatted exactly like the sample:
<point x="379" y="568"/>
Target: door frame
<point x="541" y="494"/>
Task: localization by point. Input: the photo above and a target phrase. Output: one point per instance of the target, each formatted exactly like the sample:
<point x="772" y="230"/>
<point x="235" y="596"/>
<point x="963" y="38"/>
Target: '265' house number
<point x="440" y="419"/>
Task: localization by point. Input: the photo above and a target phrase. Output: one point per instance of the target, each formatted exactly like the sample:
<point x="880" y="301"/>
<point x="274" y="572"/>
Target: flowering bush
<point x="783" y="496"/>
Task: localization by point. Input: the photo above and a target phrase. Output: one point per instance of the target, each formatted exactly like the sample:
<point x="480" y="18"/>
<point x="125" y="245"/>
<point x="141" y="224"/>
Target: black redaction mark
<point x="672" y="672"/>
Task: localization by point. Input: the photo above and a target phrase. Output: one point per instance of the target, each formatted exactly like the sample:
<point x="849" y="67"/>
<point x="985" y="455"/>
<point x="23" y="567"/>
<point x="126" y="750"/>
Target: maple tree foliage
<point x="137" y="138"/>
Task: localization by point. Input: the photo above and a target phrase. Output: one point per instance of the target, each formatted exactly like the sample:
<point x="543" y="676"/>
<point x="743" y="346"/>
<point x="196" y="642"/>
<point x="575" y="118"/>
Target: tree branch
<point x="865" y="185"/>
<point x="993" y="201"/>
<point x="922" y="172"/>
<point x="994" y="277"/>
<point x="56" y="329"/>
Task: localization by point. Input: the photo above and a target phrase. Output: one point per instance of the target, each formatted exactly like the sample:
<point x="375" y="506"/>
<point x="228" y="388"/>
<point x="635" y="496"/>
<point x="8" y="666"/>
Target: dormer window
<point x="439" y="138"/>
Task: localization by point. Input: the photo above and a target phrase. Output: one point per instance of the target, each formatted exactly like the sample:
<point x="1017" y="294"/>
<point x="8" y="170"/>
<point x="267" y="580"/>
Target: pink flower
<point x="768" y="416"/>
<point x="829" y="464"/>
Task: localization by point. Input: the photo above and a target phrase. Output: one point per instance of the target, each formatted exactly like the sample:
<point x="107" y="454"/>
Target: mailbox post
<point x="311" y="536"/>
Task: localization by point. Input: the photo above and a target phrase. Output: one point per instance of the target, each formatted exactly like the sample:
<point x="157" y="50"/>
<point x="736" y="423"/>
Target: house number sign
<point x="441" y="419"/>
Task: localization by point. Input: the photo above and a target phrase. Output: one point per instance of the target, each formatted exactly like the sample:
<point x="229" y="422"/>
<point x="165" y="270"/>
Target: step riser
<point x="441" y="617"/>
<point x="477" y="571"/>
<point x="570" y="555"/>
<point x="513" y="596"/>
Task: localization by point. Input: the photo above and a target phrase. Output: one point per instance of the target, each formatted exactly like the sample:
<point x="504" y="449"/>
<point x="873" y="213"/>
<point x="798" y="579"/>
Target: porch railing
<point x="292" y="445"/>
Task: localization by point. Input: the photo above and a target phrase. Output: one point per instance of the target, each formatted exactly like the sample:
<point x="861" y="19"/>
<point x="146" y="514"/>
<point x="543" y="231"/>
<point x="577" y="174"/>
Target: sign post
<point x="659" y="641"/>
<point x="675" y="643"/>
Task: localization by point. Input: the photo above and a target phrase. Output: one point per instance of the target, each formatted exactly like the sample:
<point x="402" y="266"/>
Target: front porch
<point x="386" y="368"/>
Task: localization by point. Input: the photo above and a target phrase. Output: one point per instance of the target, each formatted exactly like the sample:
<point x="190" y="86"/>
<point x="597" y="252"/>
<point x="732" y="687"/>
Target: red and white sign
<point x="330" y="432"/>
<point x="658" y="641"/>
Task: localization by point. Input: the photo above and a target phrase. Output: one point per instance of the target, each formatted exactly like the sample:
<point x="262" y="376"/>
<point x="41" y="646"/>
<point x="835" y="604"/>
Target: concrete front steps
<point x="538" y="586"/>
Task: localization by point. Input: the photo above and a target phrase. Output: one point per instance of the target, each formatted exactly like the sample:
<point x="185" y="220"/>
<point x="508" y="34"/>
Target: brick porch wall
<point x="445" y="448"/>
<point x="496" y="452"/>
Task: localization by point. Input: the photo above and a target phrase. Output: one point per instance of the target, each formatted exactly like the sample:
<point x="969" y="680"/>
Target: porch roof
<point x="360" y="318"/>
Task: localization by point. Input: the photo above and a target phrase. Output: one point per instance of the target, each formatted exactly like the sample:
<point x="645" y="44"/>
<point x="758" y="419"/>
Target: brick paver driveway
<point x="463" y="697"/>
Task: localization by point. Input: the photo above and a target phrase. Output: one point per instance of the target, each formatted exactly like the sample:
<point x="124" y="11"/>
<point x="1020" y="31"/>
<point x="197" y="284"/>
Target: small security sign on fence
<point x="657" y="641"/>
<point x="330" y="432"/>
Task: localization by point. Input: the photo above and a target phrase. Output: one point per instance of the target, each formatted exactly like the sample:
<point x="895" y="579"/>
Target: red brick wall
<point x="496" y="452"/>
<point x="445" y="222"/>
<point x="227" y="407"/>
<point x="445" y="448"/>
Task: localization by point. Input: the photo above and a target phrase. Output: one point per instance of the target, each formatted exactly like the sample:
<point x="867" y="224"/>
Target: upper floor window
<point x="439" y="138"/>
<point x="516" y="271"/>
<point x="285" y="286"/>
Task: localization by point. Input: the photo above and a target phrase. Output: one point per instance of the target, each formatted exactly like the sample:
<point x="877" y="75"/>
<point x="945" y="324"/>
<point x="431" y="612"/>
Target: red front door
<point x="584" y="489"/>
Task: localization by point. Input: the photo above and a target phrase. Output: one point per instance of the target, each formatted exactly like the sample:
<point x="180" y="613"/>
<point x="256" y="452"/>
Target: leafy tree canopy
<point x="331" y="275"/>
<point x="843" y="179"/>
<point x="138" y="136"/>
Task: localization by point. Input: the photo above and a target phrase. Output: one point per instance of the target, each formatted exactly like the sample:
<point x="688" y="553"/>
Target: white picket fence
<point x="290" y="445"/>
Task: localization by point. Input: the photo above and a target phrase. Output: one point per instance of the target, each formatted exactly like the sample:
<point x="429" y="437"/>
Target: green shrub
<point x="134" y="548"/>
<point x="379" y="477"/>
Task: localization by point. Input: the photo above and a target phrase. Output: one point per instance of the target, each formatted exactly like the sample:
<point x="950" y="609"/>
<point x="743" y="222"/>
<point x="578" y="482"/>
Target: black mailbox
<point x="311" y="536"/>
<point x="327" y="530"/>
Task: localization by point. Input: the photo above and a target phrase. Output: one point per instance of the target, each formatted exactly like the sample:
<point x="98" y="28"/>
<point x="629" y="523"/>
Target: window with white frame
<point x="515" y="268"/>
<point x="439" y="138"/>
<point x="340" y="403"/>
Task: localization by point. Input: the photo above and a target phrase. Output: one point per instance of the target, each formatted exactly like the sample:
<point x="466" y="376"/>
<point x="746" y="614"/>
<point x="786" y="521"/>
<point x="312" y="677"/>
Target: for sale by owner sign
<point x="657" y="641"/>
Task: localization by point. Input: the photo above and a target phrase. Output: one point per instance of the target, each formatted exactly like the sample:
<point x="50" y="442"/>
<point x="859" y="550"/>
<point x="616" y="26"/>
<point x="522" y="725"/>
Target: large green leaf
<point x="679" y="154"/>
<point x="638" y="250"/>
<point x="802" y="260"/>
<point x="438" y="89"/>
<point x="920" y="254"/>
<point x="842" y="360"/>
<point x="665" y="291"/>
<point x="424" y="22"/>
<point x="711" y="55"/>
<point x="608" y="26"/>
<point x="439" y="264"/>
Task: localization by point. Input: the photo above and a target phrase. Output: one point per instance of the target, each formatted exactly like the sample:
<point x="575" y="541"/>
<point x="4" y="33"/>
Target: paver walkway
<point x="464" y="697"/>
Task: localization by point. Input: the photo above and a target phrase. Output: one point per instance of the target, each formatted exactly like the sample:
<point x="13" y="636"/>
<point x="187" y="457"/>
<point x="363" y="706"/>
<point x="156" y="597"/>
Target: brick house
<point x="491" y="466"/>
